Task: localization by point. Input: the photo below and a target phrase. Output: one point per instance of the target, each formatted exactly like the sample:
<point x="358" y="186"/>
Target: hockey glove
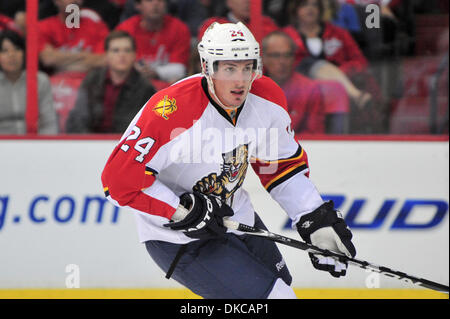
<point x="204" y="217"/>
<point x="326" y="229"/>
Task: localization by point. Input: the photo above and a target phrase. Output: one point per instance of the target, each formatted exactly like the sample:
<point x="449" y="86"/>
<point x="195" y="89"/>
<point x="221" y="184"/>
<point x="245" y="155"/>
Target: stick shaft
<point x="352" y="261"/>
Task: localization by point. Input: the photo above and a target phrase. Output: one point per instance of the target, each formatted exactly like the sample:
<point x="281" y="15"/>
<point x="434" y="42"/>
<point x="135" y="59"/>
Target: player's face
<point x="309" y="12"/>
<point x="232" y="81"/>
<point x="278" y="58"/>
<point x="152" y="9"/>
<point x="120" y="55"/>
<point x="11" y="57"/>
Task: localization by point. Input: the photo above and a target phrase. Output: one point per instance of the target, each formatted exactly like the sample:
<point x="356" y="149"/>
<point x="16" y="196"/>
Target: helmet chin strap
<point x="213" y="92"/>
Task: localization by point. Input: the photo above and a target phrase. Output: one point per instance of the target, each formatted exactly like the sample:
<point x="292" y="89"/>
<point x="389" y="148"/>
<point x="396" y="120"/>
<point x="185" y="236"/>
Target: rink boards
<point x="58" y="233"/>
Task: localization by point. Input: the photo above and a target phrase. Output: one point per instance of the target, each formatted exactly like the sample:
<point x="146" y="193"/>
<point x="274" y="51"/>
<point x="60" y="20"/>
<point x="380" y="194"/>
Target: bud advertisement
<point x="57" y="230"/>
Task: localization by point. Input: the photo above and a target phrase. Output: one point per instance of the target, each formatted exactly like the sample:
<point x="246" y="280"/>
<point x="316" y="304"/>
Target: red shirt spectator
<point x="169" y="44"/>
<point x="315" y="106"/>
<point x="304" y="104"/>
<point x="76" y="48"/>
<point x="338" y="47"/>
<point x="310" y="102"/>
<point x="6" y="23"/>
<point x="88" y="37"/>
<point x="268" y="25"/>
<point x="239" y="10"/>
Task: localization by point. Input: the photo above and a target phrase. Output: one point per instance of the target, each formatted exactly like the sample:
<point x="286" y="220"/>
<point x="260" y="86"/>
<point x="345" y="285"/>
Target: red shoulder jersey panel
<point x="267" y="89"/>
<point x="166" y="115"/>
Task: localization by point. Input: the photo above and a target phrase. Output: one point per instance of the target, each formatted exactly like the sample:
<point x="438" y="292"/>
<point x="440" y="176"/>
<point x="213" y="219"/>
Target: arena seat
<point x="411" y="115"/>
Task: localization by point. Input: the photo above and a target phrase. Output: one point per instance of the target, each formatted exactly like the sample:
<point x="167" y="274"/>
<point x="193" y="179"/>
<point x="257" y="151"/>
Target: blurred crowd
<point x="346" y="66"/>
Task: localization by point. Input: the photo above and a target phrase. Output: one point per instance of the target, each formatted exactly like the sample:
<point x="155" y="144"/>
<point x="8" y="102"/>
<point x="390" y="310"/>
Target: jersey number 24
<point x="142" y="146"/>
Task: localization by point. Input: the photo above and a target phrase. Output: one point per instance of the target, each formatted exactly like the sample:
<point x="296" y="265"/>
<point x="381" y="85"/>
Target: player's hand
<point x="204" y="217"/>
<point x="326" y="229"/>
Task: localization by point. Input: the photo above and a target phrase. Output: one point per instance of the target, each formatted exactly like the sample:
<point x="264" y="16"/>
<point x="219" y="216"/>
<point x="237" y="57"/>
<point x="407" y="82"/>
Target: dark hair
<point x="299" y="3"/>
<point x="119" y="34"/>
<point x="14" y="37"/>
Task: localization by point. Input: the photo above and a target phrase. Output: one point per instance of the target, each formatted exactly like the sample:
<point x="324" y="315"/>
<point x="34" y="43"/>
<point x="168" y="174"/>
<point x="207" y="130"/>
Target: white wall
<point x="59" y="176"/>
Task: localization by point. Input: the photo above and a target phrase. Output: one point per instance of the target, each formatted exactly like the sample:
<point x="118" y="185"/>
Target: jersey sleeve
<point x="278" y="155"/>
<point x="129" y="179"/>
<point x="130" y="176"/>
<point x="281" y="163"/>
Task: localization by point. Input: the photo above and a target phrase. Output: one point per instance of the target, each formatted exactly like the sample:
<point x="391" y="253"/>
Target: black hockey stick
<point x="352" y="261"/>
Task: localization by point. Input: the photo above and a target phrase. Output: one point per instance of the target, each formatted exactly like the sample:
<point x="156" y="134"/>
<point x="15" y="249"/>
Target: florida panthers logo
<point x="165" y="107"/>
<point x="234" y="168"/>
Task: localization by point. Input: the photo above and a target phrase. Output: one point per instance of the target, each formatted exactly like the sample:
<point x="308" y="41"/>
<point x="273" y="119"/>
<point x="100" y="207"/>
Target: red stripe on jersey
<point x="273" y="173"/>
<point x="166" y="115"/>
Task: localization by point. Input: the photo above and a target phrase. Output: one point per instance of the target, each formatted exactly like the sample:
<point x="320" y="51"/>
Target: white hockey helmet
<point x="228" y="41"/>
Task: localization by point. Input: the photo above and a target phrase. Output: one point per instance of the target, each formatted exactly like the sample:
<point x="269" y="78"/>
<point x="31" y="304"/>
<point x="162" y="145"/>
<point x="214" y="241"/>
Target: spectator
<point x="6" y="23"/>
<point x="385" y="5"/>
<point x="14" y="11"/>
<point x="278" y="10"/>
<point x="47" y="8"/>
<point x="109" y="10"/>
<point x="20" y="19"/>
<point x="11" y="7"/>
<point x="325" y="51"/>
<point x="163" y="42"/>
<point x="195" y="12"/>
<point x="64" y="48"/>
<point x="13" y="89"/>
<point x="343" y="15"/>
<point x="109" y="97"/>
<point x="312" y="110"/>
<point x="129" y="8"/>
<point x="386" y="40"/>
<point x="239" y="10"/>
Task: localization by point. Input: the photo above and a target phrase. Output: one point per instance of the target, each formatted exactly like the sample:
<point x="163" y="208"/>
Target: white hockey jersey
<point x="181" y="141"/>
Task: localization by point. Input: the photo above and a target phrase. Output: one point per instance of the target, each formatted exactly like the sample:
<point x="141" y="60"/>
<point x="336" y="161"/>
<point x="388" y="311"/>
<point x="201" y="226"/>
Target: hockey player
<point x="181" y="163"/>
